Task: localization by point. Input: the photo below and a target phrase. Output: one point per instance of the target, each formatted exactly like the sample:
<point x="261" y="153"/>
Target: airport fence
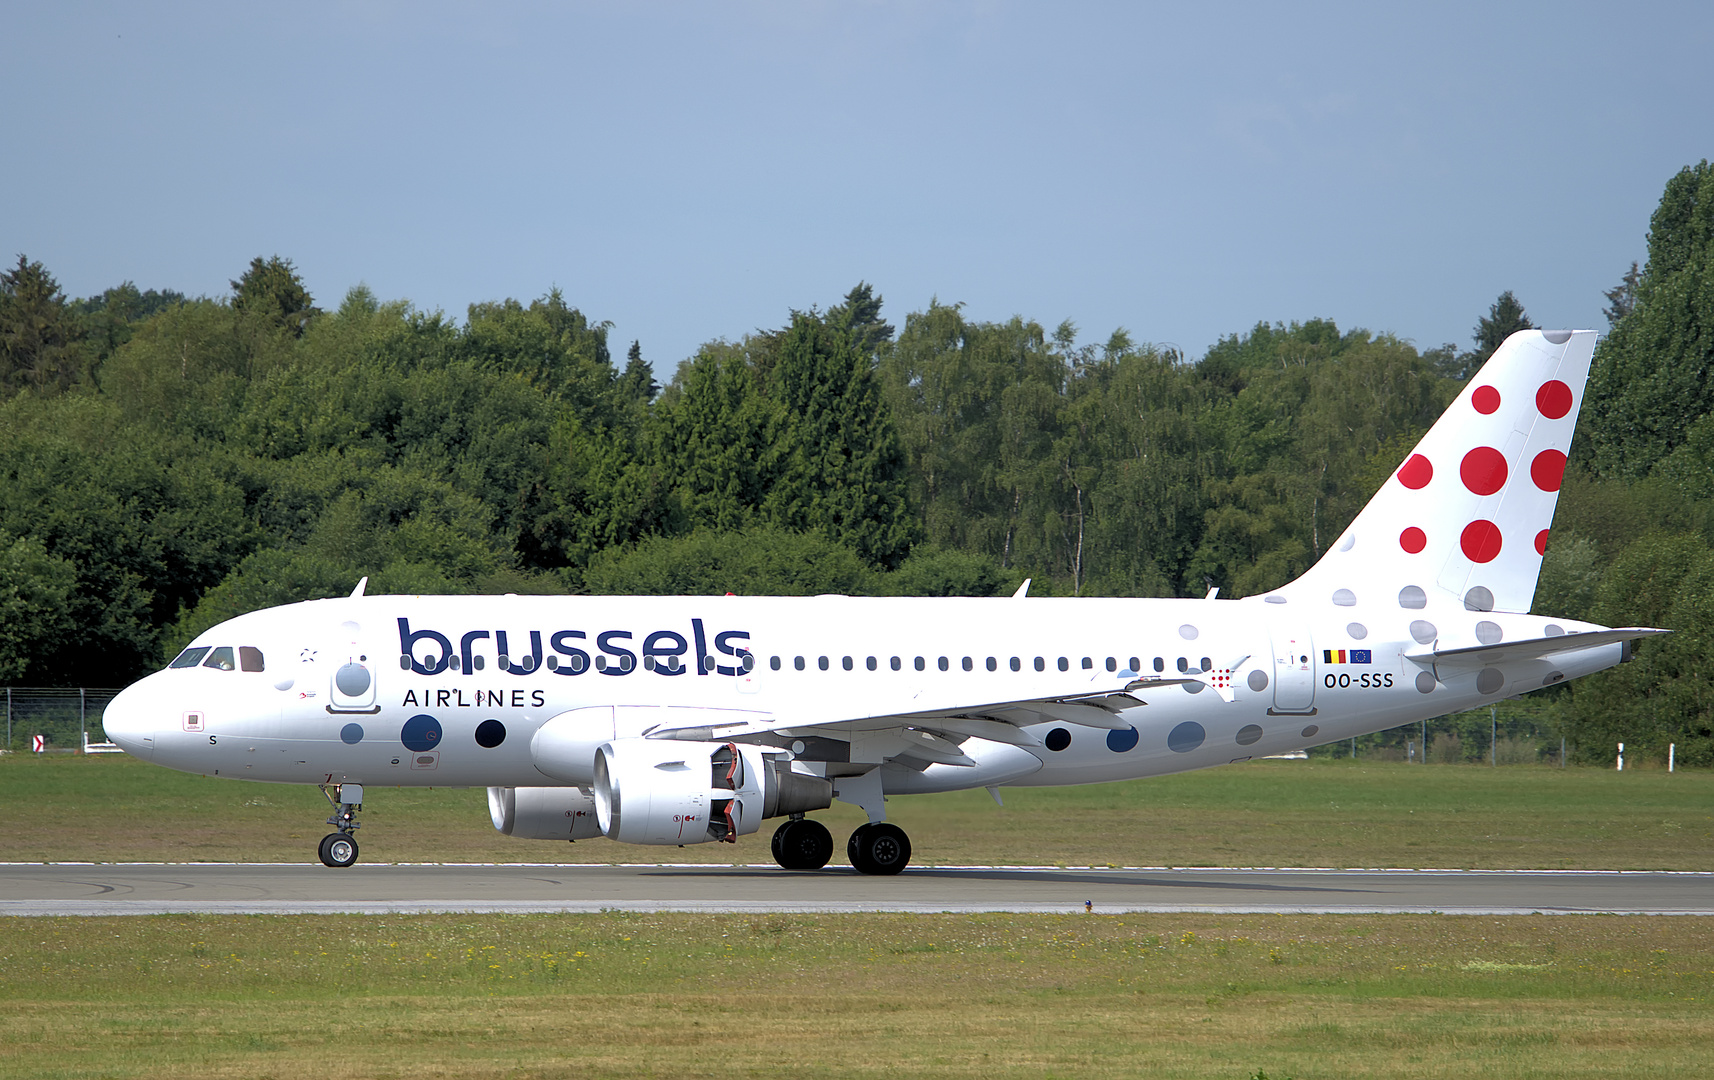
<point x="68" y="720"/>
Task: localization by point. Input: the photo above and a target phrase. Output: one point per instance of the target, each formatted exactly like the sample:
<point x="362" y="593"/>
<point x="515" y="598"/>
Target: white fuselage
<point x="415" y="690"/>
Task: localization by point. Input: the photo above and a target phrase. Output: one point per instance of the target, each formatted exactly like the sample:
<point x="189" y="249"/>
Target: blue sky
<point x="695" y="171"/>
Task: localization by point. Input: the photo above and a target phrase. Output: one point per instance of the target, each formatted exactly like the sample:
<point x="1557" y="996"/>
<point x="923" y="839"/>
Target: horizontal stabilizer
<point x="1531" y="649"/>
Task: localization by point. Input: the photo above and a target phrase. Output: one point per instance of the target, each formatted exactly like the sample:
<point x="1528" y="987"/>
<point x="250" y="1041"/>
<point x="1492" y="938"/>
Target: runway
<point x="277" y="888"/>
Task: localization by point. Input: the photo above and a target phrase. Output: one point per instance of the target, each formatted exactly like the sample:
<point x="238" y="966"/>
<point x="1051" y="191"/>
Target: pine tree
<point x="1622" y="298"/>
<point x="39" y="335"/>
<point x="1505" y="317"/>
<point x="272" y="289"/>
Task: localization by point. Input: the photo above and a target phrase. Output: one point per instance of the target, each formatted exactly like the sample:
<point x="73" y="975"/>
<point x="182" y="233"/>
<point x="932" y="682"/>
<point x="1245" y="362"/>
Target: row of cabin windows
<point x="992" y="663"/>
<point x="219" y="657"/>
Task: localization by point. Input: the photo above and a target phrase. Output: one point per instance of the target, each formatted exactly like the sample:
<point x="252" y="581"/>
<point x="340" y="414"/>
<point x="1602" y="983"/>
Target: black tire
<point x="802" y="845"/>
<point x="337" y="850"/>
<point x="879" y="848"/>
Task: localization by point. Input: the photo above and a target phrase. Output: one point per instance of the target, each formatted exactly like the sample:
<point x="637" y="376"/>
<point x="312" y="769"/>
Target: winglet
<point x="361" y="585"/>
<point x="1023" y="590"/>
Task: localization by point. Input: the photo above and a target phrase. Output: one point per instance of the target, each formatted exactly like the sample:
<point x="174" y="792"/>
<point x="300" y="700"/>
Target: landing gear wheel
<point x="338" y="850"/>
<point x="879" y="848"/>
<point x="802" y="845"/>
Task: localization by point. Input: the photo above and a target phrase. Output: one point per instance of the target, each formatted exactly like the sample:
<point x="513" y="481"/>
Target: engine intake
<point x="650" y="791"/>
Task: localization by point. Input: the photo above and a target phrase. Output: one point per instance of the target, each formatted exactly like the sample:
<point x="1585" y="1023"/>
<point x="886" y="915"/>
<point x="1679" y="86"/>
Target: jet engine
<point x="658" y="791"/>
<point x="543" y="813"/>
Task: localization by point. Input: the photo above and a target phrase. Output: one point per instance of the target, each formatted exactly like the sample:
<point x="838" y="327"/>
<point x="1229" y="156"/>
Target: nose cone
<point x="131" y="719"/>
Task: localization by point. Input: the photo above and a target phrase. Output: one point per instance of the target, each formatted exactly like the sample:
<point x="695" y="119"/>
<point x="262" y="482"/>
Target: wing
<point x="931" y="735"/>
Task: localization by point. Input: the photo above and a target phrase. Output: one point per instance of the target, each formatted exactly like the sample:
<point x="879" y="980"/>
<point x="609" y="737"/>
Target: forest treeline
<point x="167" y="462"/>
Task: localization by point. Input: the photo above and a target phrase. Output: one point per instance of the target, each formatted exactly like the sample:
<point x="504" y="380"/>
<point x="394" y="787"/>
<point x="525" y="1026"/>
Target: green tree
<point x="1622" y="298"/>
<point x="40" y="337"/>
<point x="844" y="475"/>
<point x="637" y="382"/>
<point x="272" y="291"/>
<point x="1653" y="376"/>
<point x="760" y="561"/>
<point x="859" y="315"/>
<point x="36" y="592"/>
<point x="1505" y="317"/>
<point x="717" y="444"/>
<point x="1666" y="694"/>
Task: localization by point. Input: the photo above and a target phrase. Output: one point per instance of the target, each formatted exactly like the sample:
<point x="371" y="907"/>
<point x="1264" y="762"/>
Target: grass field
<point x="666" y="995"/>
<point x="679" y="995"/>
<point x="1270" y="813"/>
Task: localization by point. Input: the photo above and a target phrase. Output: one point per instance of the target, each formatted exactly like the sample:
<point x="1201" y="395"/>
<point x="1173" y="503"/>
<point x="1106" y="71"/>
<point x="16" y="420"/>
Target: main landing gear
<point x="802" y="844"/>
<point x="339" y="848"/>
<point x="875" y="848"/>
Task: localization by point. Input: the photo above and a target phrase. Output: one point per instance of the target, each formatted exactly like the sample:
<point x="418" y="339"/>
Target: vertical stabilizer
<point x="1466" y="516"/>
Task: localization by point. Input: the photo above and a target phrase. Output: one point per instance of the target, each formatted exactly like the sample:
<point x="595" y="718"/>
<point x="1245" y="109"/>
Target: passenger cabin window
<point x="1017" y="665"/>
<point x="774" y="663"/>
<point x="846" y="663"/>
<point x="220" y="658"/>
<point x="870" y="663"/>
<point x="1088" y="663"/>
<point x="1041" y="664"/>
<point x="921" y="664"/>
<point x="190" y="657"/>
<point x="249" y="658"/>
<point x="895" y="663"/>
<point x="944" y="664"/>
<point x="1112" y="663"/>
<point x="1160" y="665"/>
<point x="1064" y="664"/>
<point x="993" y="664"/>
<point x="1207" y="664"/>
<point x="821" y="661"/>
<point x="797" y="662"/>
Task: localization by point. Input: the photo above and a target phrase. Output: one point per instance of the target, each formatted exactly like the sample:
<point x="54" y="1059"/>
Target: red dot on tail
<point x="1541" y="542"/>
<point x="1416" y="473"/>
<point x="1483" y="470"/>
<point x="1486" y="399"/>
<point x="1480" y="541"/>
<point x="1553" y="399"/>
<point x="1548" y="470"/>
<point x="1413" y="540"/>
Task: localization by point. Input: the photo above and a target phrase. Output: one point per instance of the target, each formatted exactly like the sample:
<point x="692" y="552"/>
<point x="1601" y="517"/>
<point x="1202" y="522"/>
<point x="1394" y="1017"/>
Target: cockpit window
<point x="220" y="658"/>
<point x="249" y="658"/>
<point x="190" y="657"/>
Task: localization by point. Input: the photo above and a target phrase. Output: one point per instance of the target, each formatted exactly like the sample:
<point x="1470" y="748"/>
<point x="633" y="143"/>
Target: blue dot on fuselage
<point x="421" y="732"/>
<point x="351" y="734"/>
<point x="1121" y="741"/>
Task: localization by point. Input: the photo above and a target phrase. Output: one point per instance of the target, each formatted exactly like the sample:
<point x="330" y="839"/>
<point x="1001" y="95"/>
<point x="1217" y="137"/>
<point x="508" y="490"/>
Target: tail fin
<point x="1466" y="516"/>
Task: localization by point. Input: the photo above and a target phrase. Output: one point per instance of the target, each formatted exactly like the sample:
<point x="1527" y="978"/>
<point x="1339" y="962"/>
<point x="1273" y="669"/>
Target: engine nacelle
<point x="660" y="791"/>
<point x="543" y="813"/>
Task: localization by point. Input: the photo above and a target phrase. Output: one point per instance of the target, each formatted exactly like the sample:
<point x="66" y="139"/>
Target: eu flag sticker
<point x="1345" y="656"/>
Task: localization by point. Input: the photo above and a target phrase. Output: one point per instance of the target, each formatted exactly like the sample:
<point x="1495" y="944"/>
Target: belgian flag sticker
<point x="1346" y="656"/>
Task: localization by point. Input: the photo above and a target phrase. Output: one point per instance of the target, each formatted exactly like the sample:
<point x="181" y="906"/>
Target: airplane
<point x="678" y="720"/>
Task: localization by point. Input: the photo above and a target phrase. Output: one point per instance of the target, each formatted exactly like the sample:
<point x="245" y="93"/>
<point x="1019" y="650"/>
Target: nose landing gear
<point x="339" y="848"/>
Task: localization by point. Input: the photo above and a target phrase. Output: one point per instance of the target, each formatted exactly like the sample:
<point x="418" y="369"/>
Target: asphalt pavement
<point x="245" y="888"/>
